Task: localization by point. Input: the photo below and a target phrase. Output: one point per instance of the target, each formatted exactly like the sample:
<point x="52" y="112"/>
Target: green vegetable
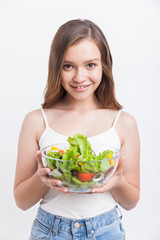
<point x="80" y="145"/>
<point x="79" y="157"/>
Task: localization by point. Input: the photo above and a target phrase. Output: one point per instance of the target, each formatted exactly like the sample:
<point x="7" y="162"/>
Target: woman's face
<point x="82" y="69"/>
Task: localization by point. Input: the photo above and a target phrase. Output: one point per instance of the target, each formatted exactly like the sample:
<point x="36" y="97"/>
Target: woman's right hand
<point x="43" y="174"/>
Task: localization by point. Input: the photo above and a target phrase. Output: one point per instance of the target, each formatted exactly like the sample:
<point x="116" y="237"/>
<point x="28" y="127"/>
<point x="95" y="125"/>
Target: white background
<point x="132" y="29"/>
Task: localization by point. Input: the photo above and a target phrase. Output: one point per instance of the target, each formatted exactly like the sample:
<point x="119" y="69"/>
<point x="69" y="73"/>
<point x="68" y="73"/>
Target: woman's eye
<point x="67" y="66"/>
<point x="91" y="65"/>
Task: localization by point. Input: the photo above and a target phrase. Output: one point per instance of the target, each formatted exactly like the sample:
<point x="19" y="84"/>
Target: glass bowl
<point x="80" y="175"/>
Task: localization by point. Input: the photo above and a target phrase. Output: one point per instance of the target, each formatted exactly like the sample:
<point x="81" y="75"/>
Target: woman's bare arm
<point x="125" y="183"/>
<point x="31" y="181"/>
<point x="28" y="187"/>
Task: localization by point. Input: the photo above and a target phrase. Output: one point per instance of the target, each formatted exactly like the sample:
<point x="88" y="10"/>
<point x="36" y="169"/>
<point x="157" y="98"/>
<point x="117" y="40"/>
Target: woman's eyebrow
<point x="89" y="60"/>
<point x="92" y="60"/>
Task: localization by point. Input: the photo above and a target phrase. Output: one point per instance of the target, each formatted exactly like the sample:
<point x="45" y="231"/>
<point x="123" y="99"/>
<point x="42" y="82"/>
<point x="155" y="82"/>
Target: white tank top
<point x="78" y="206"/>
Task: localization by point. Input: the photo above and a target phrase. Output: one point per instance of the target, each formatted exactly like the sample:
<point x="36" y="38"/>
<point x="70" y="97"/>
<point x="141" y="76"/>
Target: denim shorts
<point x="107" y="226"/>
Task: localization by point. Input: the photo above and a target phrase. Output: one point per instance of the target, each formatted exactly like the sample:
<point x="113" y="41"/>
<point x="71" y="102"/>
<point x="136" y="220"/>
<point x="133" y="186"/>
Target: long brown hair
<point x="68" y="34"/>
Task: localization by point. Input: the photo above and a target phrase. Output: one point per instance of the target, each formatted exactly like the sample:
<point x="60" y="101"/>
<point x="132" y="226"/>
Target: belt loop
<point x="119" y="211"/>
<point x="72" y="227"/>
<point x="55" y="225"/>
<point x="88" y="227"/>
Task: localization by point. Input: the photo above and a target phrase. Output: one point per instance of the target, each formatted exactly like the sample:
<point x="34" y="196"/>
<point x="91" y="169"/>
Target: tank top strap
<point x="44" y="117"/>
<point x="116" y="118"/>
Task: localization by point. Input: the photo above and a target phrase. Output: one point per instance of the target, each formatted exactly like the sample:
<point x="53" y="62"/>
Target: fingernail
<point x="65" y="190"/>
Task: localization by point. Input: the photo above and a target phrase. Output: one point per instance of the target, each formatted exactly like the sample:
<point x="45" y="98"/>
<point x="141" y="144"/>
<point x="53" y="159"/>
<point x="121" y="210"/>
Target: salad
<point x="78" y="166"/>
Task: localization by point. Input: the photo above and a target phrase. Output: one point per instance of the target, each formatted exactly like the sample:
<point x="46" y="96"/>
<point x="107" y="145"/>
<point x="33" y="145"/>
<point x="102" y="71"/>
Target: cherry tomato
<point x="62" y="151"/>
<point x="85" y="177"/>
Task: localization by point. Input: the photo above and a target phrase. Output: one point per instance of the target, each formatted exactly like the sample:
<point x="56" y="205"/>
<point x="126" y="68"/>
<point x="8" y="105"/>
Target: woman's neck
<point x="80" y="105"/>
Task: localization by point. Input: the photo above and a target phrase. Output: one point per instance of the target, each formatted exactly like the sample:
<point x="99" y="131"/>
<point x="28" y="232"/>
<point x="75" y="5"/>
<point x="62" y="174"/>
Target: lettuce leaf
<point x="80" y="144"/>
<point x="79" y="157"/>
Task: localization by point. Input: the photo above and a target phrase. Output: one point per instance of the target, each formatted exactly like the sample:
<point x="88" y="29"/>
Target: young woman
<point x="79" y="98"/>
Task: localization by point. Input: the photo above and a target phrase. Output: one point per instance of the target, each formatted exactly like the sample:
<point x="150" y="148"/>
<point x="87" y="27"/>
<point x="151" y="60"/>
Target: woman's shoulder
<point x="126" y="125"/>
<point x="33" y="122"/>
<point x="126" y="119"/>
<point x="33" y="116"/>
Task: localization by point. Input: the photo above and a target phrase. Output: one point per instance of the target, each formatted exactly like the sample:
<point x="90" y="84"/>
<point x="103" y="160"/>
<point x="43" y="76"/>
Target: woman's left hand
<point x="113" y="181"/>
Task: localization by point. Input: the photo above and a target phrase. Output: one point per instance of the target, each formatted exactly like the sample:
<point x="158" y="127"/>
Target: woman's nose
<point x="80" y="75"/>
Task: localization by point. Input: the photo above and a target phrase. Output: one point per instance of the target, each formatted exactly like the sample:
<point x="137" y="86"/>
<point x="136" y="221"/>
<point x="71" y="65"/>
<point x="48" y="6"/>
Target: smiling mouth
<point x="81" y="87"/>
